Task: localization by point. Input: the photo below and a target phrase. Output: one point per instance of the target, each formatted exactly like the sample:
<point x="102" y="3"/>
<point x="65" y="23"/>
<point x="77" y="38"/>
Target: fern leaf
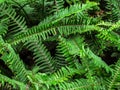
<point x="81" y="84"/>
<point x="42" y="57"/>
<point x="115" y="77"/>
<point x="15" y="84"/>
<point x="57" y="5"/>
<point x="13" y="61"/>
<point x="114" y="7"/>
<point x="3" y="27"/>
<point x="45" y="29"/>
<point x="53" y="79"/>
<point x="63" y="52"/>
<point x="17" y="23"/>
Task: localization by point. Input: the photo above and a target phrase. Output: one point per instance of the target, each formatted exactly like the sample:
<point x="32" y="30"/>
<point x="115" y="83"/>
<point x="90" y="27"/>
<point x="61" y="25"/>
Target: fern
<point x="115" y="78"/>
<point x="57" y="5"/>
<point x="44" y="29"/>
<point x="16" y="23"/>
<point x="3" y="27"/>
<point x="113" y="6"/>
<point x="13" y="61"/>
<point x="65" y="45"/>
<point x="81" y="84"/>
<point x="110" y="34"/>
<point x="47" y="81"/>
<point x="42" y="57"/>
<point x="15" y="84"/>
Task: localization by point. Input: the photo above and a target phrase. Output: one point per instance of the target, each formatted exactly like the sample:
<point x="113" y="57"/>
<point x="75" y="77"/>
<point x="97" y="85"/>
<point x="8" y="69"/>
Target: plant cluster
<point x="59" y="45"/>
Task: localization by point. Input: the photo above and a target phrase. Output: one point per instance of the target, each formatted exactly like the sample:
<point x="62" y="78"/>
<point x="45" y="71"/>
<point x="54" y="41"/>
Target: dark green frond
<point x="42" y="57"/>
<point x="114" y="9"/>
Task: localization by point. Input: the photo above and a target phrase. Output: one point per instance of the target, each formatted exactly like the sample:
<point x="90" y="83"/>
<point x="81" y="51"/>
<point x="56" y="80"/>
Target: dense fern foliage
<point x="59" y="45"/>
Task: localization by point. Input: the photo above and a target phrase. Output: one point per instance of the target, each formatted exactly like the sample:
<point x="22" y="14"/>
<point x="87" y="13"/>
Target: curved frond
<point x="17" y="23"/>
<point x="13" y="61"/>
<point x="81" y="84"/>
<point x="15" y="84"/>
<point x="114" y="9"/>
<point x="116" y="77"/>
<point x="42" y="57"/>
<point x="46" y="28"/>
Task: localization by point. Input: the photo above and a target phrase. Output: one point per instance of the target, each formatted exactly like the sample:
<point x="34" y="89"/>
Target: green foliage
<point x="1" y="1"/>
<point x="59" y="45"/>
<point x="114" y="7"/>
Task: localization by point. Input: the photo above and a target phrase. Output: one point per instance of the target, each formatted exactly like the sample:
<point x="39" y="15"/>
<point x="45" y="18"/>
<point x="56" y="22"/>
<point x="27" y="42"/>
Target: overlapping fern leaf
<point x="114" y="9"/>
<point x="47" y="27"/>
<point x="115" y="79"/>
<point x="13" y="61"/>
<point x="16" y="23"/>
<point x="42" y="57"/>
<point x="82" y="84"/>
<point x="12" y="83"/>
<point x="109" y="33"/>
<point x="75" y="63"/>
<point x="52" y="80"/>
<point x="63" y="57"/>
<point x="56" y="6"/>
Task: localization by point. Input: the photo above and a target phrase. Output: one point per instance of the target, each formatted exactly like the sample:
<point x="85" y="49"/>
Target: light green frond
<point x="60" y="76"/>
<point x="81" y="84"/>
<point x="109" y="33"/>
<point x="77" y="47"/>
<point x="63" y="52"/>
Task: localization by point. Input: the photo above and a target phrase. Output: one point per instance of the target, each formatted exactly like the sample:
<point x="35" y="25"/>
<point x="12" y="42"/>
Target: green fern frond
<point x="74" y="9"/>
<point x="42" y="79"/>
<point x="13" y="61"/>
<point x="17" y="23"/>
<point x="57" y="5"/>
<point x="110" y="36"/>
<point x="45" y="29"/>
<point x="15" y="84"/>
<point x="3" y="27"/>
<point x="63" y="53"/>
<point x="60" y="81"/>
<point x="15" y="64"/>
<point x="46" y="33"/>
<point x="98" y="61"/>
<point x="62" y="75"/>
<point x="114" y="9"/>
<point x="77" y="47"/>
<point x="108" y="33"/>
<point x="81" y="84"/>
<point x="109" y="26"/>
<point x="42" y="57"/>
<point x="115" y="77"/>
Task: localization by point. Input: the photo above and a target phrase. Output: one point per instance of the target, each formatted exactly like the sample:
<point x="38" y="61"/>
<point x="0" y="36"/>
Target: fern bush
<point x="59" y="45"/>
